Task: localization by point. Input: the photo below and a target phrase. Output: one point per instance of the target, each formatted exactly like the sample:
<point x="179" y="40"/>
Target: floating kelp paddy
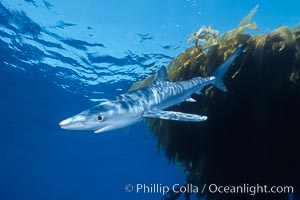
<point x="252" y="132"/>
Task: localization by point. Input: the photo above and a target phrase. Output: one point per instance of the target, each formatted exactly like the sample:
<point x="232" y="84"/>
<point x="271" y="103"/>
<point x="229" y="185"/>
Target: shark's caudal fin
<point x="222" y="69"/>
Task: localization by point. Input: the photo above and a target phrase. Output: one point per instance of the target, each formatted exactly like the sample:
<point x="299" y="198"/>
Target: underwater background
<point x="58" y="58"/>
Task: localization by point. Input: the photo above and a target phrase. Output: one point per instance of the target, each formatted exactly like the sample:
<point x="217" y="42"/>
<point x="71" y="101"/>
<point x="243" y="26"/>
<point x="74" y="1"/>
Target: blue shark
<point x="148" y="102"/>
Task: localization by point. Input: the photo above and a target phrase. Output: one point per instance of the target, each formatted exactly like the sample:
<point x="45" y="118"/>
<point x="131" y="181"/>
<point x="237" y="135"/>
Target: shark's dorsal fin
<point x="161" y="75"/>
<point x="171" y="115"/>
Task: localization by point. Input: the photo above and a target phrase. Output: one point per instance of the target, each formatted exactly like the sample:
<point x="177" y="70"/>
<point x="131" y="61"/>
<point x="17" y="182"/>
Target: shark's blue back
<point x="149" y="101"/>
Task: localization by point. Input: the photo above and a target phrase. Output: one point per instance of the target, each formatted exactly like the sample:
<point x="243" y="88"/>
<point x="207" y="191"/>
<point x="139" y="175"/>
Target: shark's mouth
<point x="106" y="128"/>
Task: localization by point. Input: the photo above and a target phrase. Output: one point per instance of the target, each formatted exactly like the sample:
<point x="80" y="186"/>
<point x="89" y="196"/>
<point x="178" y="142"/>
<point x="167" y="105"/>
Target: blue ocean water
<point x="58" y="58"/>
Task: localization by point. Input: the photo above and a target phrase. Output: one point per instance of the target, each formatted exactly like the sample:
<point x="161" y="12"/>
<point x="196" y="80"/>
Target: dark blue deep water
<point x="58" y="58"/>
<point x="41" y="161"/>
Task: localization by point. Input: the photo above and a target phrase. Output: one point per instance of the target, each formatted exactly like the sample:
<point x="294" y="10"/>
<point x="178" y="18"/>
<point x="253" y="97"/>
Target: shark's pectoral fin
<point x="171" y="115"/>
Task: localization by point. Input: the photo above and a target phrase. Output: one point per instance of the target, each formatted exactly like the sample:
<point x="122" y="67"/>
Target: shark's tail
<point x="222" y="69"/>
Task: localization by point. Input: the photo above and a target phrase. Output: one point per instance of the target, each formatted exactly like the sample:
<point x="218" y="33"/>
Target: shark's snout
<point x="65" y="122"/>
<point x="73" y="123"/>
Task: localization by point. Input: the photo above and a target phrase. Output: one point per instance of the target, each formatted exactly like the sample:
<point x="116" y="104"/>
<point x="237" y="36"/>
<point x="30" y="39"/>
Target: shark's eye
<point x="100" y="117"/>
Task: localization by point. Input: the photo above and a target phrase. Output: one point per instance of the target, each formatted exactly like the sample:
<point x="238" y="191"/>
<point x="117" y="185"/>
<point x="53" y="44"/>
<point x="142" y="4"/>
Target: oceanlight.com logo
<point x="209" y="188"/>
<point x="250" y="189"/>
